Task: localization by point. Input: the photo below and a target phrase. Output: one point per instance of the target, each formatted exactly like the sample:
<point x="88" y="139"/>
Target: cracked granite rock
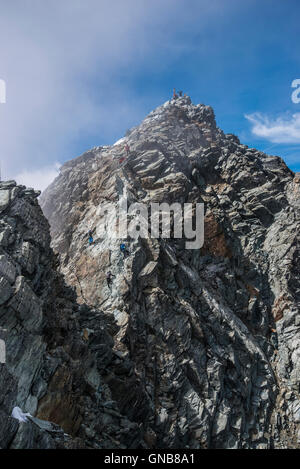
<point x="183" y="348"/>
<point x="49" y="371"/>
<point x="211" y="336"/>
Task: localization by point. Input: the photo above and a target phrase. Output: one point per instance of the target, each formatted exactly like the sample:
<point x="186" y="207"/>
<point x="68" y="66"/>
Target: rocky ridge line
<point x="213" y="334"/>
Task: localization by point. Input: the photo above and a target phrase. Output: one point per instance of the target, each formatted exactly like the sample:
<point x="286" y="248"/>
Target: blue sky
<point x="79" y="73"/>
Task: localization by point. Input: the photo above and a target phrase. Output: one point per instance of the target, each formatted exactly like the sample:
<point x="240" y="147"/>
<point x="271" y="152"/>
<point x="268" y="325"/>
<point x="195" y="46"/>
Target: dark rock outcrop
<point x="49" y="371"/>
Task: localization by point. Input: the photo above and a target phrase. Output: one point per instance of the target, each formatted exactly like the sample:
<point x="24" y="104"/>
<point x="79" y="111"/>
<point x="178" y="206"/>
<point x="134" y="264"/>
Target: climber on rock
<point x="274" y="338"/>
<point x="175" y="95"/>
<point x="109" y="277"/>
<point x="127" y="149"/>
<point x="121" y="160"/>
<point x="123" y="250"/>
<point x="180" y="93"/>
<point x="90" y="236"/>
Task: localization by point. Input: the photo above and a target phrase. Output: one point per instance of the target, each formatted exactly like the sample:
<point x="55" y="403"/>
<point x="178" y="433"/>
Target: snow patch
<point x="18" y="414"/>
<point x="119" y="142"/>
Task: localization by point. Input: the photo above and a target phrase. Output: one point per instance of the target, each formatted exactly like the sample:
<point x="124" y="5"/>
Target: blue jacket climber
<point x="90" y="235"/>
<point x="123" y="249"/>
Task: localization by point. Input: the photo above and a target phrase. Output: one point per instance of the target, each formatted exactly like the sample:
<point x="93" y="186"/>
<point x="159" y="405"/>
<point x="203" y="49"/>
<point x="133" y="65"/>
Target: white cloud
<point x="70" y="68"/>
<point x="284" y="129"/>
<point x="38" y="179"/>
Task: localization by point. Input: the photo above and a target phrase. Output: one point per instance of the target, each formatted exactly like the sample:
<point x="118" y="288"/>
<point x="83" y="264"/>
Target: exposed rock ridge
<point x="208" y="340"/>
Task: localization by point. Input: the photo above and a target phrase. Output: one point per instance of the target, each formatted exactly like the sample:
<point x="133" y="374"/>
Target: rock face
<point x="183" y="348"/>
<point x="212" y="335"/>
<point x="49" y="371"/>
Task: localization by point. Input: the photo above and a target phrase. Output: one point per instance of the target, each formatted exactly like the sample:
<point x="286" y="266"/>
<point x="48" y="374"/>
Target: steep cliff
<point x="214" y="333"/>
<point x="49" y="371"/>
<point x="183" y="348"/>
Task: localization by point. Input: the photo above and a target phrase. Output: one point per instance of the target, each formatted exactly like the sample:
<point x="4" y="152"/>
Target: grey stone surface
<point x="7" y="269"/>
<point x="45" y="338"/>
<point x="5" y="290"/>
<point x="4" y="199"/>
<point x="184" y="348"/>
<point x="213" y="334"/>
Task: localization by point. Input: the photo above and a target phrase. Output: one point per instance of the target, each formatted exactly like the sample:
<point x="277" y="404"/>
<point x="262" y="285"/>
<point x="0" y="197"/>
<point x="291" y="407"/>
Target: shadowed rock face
<point x="184" y="348"/>
<point x="49" y="371"/>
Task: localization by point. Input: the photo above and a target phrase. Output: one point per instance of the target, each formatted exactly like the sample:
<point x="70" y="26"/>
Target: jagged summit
<point x="183" y="110"/>
<point x="176" y="122"/>
<point x="180" y="111"/>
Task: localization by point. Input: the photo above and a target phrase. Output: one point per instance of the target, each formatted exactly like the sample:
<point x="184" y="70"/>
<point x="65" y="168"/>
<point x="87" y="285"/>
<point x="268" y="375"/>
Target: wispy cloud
<point x="284" y="129"/>
<point x="38" y="179"/>
<point x="79" y="72"/>
<point x="70" y="67"/>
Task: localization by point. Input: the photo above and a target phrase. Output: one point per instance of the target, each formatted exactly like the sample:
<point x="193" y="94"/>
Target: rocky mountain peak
<point x="208" y="330"/>
<point x="193" y="348"/>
